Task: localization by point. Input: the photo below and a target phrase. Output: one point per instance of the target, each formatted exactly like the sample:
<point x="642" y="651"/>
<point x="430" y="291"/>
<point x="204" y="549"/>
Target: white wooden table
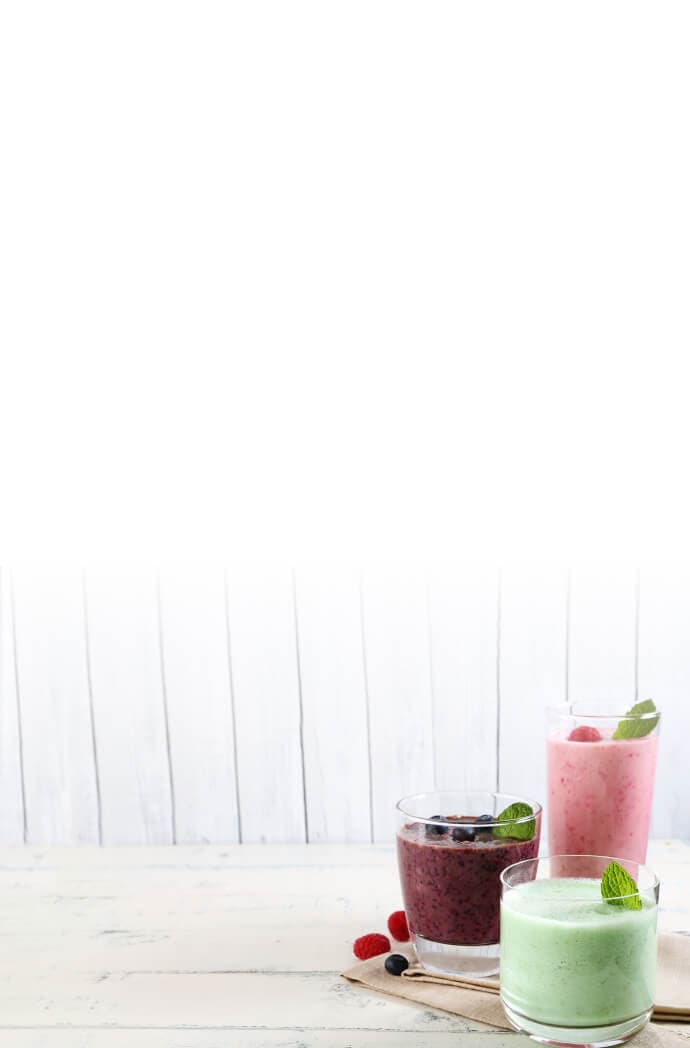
<point x="203" y="947"/>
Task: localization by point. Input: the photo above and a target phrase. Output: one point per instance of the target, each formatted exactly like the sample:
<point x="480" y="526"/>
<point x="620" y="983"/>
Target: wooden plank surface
<point x="11" y="785"/>
<point x="201" y="947"/>
<point x="307" y="701"/>
<point x="244" y="1038"/>
<point x="267" y="702"/>
<point x="398" y="674"/>
<point x="334" y="698"/>
<point x="239" y="1000"/>
<point x="130" y="720"/>
<point x="533" y="664"/>
<point x="664" y="675"/>
<point x="196" y="674"/>
<point x="602" y="634"/>
<point x="59" y="759"/>
<point x="463" y="631"/>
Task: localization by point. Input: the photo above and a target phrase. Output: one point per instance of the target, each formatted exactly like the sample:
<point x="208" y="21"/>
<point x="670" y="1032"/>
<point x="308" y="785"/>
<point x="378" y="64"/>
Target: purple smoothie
<point x="451" y="889"/>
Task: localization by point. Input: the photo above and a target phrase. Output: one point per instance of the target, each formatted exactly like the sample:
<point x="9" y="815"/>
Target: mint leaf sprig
<point x="618" y="888"/>
<point x="636" y="729"/>
<point x="521" y="831"/>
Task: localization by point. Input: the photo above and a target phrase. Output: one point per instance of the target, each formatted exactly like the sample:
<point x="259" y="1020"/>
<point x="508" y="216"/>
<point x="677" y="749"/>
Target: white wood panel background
<point x="266" y="703"/>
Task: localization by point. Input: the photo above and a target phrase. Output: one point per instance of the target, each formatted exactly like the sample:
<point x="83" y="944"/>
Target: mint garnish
<point x="617" y="882"/>
<point x="523" y="831"/>
<point x="635" y="729"/>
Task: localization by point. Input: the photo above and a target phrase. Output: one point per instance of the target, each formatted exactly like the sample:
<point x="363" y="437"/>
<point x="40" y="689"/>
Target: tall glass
<point x="451" y="851"/>
<point x="601" y="764"/>
<point x="577" y="969"/>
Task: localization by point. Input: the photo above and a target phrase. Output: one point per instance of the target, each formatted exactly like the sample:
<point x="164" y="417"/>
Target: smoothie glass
<point x="575" y="968"/>
<point x="600" y="787"/>
<point x="450" y="865"/>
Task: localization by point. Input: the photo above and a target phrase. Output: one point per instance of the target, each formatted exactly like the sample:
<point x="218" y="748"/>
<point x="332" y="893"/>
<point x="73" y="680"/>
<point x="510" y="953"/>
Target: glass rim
<point x="534" y="805"/>
<point x="570" y="855"/>
<point x="567" y="709"/>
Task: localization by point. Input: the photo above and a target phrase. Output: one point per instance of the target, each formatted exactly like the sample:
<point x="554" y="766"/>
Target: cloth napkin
<point x="478" y="999"/>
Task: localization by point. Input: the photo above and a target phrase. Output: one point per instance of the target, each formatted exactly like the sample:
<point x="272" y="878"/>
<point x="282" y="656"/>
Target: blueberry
<point x="396" y="964"/>
<point x="484" y="818"/>
<point x="463" y="833"/>
<point x="435" y="831"/>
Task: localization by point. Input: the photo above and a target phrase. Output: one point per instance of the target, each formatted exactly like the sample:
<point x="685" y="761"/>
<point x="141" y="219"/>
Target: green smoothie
<point x="570" y="959"/>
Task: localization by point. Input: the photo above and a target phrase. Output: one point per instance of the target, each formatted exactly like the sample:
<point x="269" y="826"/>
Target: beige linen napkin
<point x="478" y="998"/>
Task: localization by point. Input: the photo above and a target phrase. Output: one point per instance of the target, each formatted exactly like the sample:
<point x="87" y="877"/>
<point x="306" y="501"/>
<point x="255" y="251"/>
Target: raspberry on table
<point x="397" y="926"/>
<point x="370" y="946"/>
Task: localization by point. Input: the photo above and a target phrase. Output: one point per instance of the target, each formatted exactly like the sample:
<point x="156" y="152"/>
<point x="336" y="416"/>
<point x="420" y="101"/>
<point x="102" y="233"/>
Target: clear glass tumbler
<point x="601" y="765"/>
<point x="451" y="851"/>
<point x="577" y="969"/>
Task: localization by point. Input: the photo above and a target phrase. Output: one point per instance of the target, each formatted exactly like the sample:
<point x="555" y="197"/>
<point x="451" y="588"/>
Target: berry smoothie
<point x="451" y="887"/>
<point x="600" y="793"/>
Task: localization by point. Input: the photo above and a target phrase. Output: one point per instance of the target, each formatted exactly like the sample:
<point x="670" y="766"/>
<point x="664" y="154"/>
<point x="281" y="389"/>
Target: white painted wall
<point x="262" y="703"/>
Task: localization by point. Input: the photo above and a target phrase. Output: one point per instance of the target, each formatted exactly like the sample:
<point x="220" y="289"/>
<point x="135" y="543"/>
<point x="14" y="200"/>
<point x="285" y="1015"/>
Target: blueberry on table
<point x="396" y="964"/>
<point x="435" y="831"/>
<point x="484" y="818"/>
<point x="463" y="833"/>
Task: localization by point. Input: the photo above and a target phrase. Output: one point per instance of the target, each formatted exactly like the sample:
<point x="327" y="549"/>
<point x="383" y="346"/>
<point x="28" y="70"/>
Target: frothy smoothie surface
<point x="570" y="959"/>
<point x="452" y="890"/>
<point x="600" y="795"/>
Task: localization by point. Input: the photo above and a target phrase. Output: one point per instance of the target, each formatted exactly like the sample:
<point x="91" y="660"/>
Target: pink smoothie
<point x="600" y="795"/>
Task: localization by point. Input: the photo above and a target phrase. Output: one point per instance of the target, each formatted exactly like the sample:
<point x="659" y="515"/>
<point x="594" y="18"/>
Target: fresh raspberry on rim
<point x="585" y="733"/>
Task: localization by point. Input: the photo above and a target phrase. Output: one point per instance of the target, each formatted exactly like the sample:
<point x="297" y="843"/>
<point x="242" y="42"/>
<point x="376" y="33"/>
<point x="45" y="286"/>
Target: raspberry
<point x="370" y="946"/>
<point x="585" y="734"/>
<point x="397" y="926"/>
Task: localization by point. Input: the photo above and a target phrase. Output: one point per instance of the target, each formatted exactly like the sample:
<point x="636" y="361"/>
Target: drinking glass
<point x="600" y="786"/>
<point x="577" y="969"/>
<point x="450" y="865"/>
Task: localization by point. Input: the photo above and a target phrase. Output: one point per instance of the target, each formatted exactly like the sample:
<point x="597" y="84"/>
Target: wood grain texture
<point x="334" y="700"/>
<point x="533" y="663"/>
<point x="602" y="634"/>
<point x="396" y="645"/>
<point x="463" y="626"/>
<point x="221" y="1000"/>
<point x="60" y="773"/>
<point x="11" y="786"/>
<point x="664" y="675"/>
<point x="244" y="1038"/>
<point x="344" y="696"/>
<point x="194" y="637"/>
<point x="266" y="689"/>
<point x="129" y="706"/>
<point x="199" y="947"/>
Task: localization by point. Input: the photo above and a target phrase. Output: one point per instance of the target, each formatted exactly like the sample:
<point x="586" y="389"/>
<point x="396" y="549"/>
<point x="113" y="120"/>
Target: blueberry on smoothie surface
<point x="436" y="831"/>
<point x="463" y="833"/>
